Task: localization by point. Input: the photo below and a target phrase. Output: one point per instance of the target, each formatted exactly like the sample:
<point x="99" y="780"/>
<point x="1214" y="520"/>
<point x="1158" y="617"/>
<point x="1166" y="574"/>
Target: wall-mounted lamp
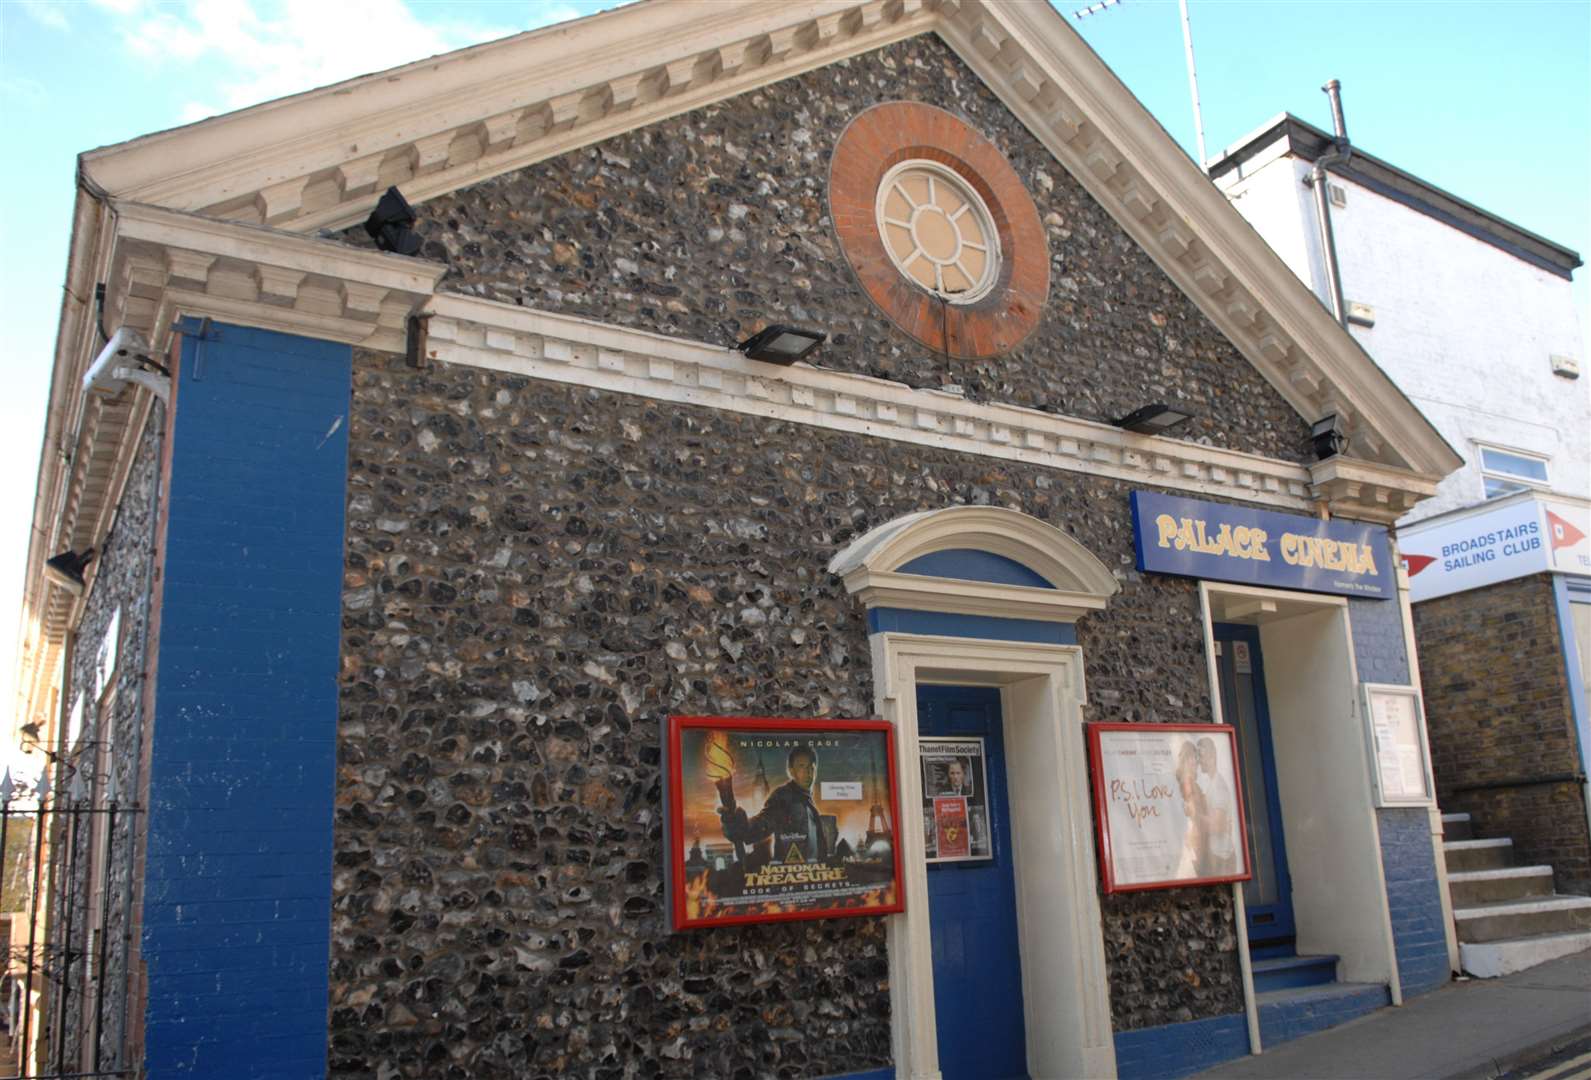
<point x="66" y="570"/>
<point x="1152" y="419"/>
<point x="1327" y="437"/>
<point x="781" y="344"/>
<point x="391" y="224"/>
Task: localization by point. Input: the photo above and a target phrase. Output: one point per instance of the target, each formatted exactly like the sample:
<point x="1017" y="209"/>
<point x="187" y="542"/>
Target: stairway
<point x="1300" y="995"/>
<point x="1508" y="917"/>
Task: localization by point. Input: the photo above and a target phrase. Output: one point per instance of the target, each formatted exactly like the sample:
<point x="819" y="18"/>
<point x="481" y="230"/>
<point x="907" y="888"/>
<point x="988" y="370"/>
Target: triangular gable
<point x="318" y="160"/>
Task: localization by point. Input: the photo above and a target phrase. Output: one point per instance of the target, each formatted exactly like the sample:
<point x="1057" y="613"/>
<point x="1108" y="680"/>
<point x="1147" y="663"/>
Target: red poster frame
<point x="674" y="850"/>
<point x="1101" y="804"/>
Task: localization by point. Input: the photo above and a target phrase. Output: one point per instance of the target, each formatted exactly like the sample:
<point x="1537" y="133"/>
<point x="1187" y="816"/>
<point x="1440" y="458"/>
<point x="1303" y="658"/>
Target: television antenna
<point x="1187" y="45"/>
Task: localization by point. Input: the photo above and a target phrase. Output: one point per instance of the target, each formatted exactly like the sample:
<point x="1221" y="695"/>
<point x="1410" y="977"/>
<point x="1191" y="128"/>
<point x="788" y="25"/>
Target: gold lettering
<point x="1166" y="526"/>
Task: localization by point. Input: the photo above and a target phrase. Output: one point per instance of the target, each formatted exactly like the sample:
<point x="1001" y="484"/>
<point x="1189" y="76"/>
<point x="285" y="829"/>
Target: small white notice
<point x="1397" y="739"/>
<point x="841" y="790"/>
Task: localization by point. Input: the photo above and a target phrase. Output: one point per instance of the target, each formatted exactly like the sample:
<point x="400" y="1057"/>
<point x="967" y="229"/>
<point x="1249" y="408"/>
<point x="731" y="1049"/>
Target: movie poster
<point x="955" y="799"/>
<point x="771" y="819"/>
<point x="1167" y="805"/>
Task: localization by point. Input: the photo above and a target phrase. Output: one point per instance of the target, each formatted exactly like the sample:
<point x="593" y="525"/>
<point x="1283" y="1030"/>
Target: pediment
<point x="318" y="160"/>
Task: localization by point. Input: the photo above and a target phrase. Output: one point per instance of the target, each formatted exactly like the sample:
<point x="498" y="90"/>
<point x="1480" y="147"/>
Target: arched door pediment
<point x="960" y="560"/>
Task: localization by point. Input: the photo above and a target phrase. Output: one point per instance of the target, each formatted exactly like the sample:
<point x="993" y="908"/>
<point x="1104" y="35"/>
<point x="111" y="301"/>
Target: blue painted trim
<point x="1283" y="926"/>
<point x="971" y="564"/>
<point x="883" y="620"/>
<point x="237" y="929"/>
<point x="1173" y="1050"/>
<point x="1562" y="587"/>
<point x="1308" y="1012"/>
<point x="1414" y="898"/>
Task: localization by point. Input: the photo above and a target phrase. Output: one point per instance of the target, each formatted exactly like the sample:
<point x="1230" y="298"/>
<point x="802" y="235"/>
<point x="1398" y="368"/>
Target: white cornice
<point x="168" y="264"/>
<point x="568" y="349"/>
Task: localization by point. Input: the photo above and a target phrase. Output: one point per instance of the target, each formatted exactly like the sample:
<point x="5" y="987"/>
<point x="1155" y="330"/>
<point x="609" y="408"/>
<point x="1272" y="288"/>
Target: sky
<point x="1490" y="101"/>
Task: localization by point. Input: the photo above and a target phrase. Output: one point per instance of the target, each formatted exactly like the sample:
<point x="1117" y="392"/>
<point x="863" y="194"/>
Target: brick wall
<point x="238" y="880"/>
<point x="1418" y="932"/>
<point x="1497" y="705"/>
<point x="1379" y="651"/>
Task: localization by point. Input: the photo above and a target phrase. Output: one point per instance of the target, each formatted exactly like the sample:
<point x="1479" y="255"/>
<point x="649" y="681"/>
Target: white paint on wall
<point x="1465" y="329"/>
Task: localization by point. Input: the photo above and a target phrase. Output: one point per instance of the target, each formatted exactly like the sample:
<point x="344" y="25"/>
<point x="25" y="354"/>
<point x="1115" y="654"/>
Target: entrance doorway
<point x="972" y="902"/>
<point x="1268" y="894"/>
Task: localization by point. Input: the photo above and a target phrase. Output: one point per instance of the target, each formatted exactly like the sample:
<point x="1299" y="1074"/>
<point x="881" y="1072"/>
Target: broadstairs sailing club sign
<point x="1469" y="550"/>
<point x="1175" y="535"/>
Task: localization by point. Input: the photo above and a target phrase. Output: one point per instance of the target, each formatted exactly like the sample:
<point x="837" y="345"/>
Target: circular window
<point x="938" y="232"/>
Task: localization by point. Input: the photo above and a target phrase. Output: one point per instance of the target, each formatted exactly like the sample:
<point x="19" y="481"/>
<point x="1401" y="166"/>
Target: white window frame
<point x="1518" y="483"/>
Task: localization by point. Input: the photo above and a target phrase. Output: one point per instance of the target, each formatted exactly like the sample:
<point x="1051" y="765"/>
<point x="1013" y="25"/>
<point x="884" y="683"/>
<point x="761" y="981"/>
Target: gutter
<point x="1340" y="155"/>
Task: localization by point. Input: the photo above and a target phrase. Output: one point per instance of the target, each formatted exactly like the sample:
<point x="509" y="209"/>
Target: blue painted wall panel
<point x="1172" y="1050"/>
<point x="900" y="620"/>
<point x="238" y="882"/>
<point x="1409" y="863"/>
<point x="974" y="564"/>
<point x="1378" y="646"/>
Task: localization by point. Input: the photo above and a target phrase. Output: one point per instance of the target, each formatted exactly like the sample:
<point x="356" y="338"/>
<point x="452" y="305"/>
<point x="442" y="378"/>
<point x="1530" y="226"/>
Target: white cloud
<point x="45" y="13"/>
<point x="268" y="50"/>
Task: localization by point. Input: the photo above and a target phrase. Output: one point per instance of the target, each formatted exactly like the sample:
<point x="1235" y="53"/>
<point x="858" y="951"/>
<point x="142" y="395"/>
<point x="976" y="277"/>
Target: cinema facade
<point x="413" y="558"/>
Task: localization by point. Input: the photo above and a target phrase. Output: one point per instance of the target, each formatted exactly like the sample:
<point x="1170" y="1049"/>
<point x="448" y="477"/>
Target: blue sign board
<point x="1218" y="542"/>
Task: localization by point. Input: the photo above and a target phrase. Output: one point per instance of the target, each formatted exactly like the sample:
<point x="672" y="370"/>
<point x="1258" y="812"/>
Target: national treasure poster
<point x="771" y="819"/>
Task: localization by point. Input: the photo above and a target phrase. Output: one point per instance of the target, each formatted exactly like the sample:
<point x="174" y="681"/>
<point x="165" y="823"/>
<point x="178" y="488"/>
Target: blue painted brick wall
<point x="1172" y="1050"/>
<point x="238" y="882"/>
<point x="1412" y="893"/>
<point x="1378" y="646"/>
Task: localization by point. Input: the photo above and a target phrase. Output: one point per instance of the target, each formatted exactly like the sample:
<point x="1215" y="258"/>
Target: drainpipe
<point x="1340" y="154"/>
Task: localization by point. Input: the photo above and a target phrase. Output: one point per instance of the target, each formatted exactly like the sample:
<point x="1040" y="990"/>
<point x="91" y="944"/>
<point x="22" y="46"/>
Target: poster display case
<point x="1167" y="805"/>
<point x="769" y="819"/>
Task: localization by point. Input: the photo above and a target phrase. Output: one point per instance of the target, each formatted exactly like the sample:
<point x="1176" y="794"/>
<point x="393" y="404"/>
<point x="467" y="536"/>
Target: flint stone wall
<point x="537" y="575"/>
<point x="122" y="577"/>
<point x="714" y="223"/>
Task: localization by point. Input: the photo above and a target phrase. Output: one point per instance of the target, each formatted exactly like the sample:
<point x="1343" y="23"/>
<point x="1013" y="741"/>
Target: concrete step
<point x="1287" y="972"/>
<point x="1491" y="959"/>
<point x="1457" y="827"/>
<point x="1465" y="855"/>
<point x="1522" y="918"/>
<point x="1289" y="1014"/>
<point x="1471" y="887"/>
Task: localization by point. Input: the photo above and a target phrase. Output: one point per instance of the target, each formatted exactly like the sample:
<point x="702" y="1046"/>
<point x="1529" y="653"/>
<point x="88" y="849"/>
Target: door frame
<point x="1052" y="837"/>
<point x="1340" y="903"/>
<point x="1265" y="740"/>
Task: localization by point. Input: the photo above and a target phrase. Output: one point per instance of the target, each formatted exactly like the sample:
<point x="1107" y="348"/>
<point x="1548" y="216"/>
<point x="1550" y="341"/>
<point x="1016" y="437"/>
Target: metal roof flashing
<point x="1308" y="142"/>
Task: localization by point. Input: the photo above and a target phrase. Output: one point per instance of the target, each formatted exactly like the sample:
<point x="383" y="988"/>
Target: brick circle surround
<point x="883" y="137"/>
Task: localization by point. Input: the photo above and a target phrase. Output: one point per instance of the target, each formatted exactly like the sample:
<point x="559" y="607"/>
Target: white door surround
<point x="1064" y="980"/>
<point x="1065" y="984"/>
<point x="1322" y="774"/>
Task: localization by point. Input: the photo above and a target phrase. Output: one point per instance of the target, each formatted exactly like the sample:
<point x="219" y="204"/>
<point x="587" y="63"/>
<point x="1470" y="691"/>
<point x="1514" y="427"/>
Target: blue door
<point x="972" y="906"/>
<point x="1268" y="895"/>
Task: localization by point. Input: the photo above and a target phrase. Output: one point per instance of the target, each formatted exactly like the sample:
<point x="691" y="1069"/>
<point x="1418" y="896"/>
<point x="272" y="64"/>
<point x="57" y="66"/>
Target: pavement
<point x="1476" y="1029"/>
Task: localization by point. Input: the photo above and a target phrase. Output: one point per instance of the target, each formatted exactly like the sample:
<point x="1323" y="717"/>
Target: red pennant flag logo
<point x="1416" y="563"/>
<point x="1563" y="534"/>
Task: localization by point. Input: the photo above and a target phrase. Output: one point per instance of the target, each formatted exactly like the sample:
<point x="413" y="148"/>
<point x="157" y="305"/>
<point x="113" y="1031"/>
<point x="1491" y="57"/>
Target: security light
<point x="781" y="344"/>
<point x="1152" y="419"/>
<point x="1327" y="436"/>
<point x="66" y="569"/>
<point x="391" y="224"/>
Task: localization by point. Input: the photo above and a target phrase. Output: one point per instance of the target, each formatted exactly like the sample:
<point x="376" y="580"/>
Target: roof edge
<point x="1309" y="142"/>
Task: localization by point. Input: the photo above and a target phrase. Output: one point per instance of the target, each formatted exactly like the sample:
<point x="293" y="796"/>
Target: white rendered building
<point x="1470" y="315"/>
